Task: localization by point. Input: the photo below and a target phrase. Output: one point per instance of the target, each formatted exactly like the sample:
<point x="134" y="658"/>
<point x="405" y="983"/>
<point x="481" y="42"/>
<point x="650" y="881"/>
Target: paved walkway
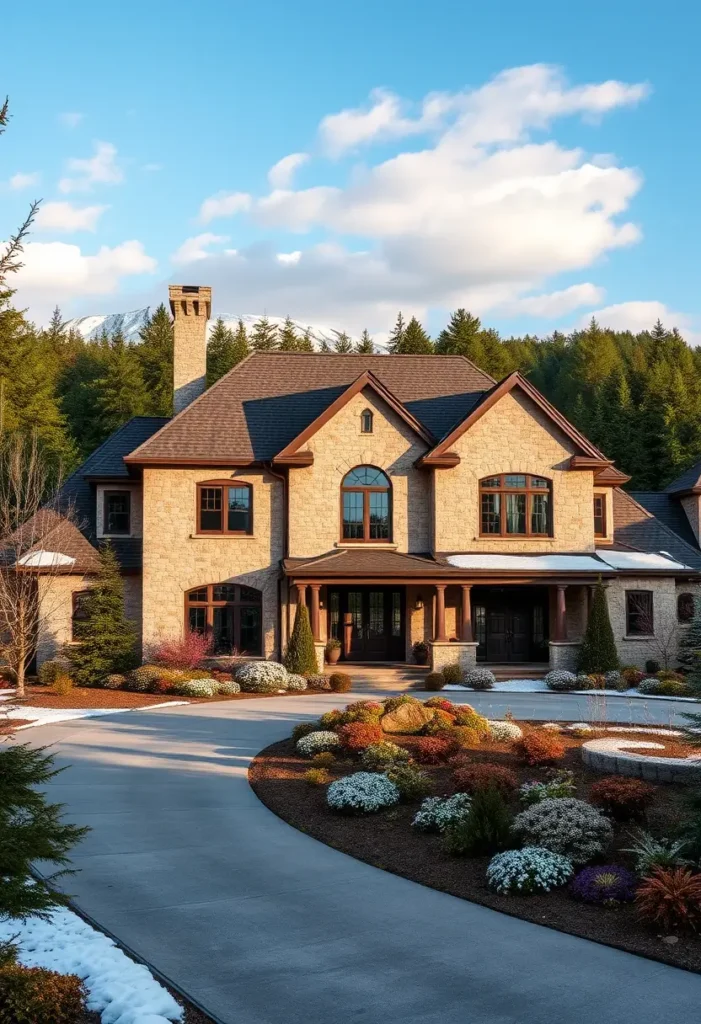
<point x="261" y="924"/>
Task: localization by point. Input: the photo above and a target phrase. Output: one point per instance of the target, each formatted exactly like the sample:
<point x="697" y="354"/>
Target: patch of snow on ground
<point x="122" y="991"/>
<point x="539" y="686"/>
<point x="49" y="716"/>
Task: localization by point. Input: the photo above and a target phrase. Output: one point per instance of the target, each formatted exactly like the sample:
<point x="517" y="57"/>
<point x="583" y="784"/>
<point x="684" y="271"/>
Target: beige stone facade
<point x="56" y="615"/>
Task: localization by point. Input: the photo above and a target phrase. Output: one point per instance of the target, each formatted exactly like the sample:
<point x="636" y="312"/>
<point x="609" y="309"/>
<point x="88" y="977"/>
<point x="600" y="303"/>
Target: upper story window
<point x="366" y="418"/>
<point x="599" y="515"/>
<point x="224" y="507"/>
<point x="117" y="513"/>
<point x="366" y="496"/>
<point x="515" y="505"/>
<point x="640" y="619"/>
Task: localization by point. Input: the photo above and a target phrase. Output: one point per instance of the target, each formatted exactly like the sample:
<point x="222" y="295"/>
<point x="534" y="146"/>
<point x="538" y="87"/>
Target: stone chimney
<point x="191" y="306"/>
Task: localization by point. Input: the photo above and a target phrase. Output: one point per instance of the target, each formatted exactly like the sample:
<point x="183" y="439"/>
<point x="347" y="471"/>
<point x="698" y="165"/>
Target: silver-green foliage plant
<point x="317" y="742"/>
<point x="438" y="812"/>
<point x="651" y="853"/>
<point x="566" y="826"/>
<point x="527" y="871"/>
<point x="262" y="677"/>
<point x="380" y="756"/>
<point x="560" y="785"/>
<point x="363" y="792"/>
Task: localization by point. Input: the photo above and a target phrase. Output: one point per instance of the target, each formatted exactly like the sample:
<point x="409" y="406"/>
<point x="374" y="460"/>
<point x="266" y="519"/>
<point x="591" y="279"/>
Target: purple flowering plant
<point x="607" y="884"/>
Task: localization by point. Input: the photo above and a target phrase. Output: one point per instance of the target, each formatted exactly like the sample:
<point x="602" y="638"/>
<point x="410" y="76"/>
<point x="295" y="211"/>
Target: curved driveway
<point x="261" y="924"/>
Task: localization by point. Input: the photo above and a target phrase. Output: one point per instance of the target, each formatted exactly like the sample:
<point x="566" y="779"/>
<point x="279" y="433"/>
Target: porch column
<point x="466" y="632"/>
<point x="440" y="612"/>
<point x="561" y="614"/>
<point x="301" y="593"/>
<point x="315" y="588"/>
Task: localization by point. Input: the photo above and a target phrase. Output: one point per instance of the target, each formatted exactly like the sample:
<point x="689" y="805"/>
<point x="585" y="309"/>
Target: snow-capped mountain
<point x="131" y="323"/>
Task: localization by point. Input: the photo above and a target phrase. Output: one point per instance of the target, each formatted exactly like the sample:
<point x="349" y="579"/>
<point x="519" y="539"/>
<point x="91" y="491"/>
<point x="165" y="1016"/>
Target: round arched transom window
<point x="366" y="505"/>
<point x="230" y="614"/>
<point x="515" y="505"/>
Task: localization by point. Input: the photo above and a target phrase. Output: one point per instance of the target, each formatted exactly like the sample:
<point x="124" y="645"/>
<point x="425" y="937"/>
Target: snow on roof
<point x="562" y="563"/>
<point x="639" y="560"/>
<point x="45" y="559"/>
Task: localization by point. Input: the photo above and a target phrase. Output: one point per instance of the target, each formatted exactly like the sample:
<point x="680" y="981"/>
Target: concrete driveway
<point x="261" y="924"/>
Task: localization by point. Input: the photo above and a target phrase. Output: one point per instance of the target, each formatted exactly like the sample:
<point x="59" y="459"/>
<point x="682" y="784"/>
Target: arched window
<point x="228" y="612"/>
<point x="366" y="421"/>
<point x="366" y="497"/>
<point x="515" y="505"/>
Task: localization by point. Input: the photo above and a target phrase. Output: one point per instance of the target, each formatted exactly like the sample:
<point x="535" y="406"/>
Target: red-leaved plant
<point x="540" y="748"/>
<point x="357" y="736"/>
<point x="435" y="749"/>
<point x="622" y="798"/>
<point x="670" y="899"/>
<point x="471" y="777"/>
<point x="181" y="652"/>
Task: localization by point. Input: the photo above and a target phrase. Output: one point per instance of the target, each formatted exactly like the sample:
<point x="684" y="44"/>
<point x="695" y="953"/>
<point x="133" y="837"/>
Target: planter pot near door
<point x="420" y="651"/>
<point x="333" y="653"/>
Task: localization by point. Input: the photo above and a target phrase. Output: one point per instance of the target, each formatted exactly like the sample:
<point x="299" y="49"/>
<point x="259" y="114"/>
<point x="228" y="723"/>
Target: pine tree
<point x="415" y="341"/>
<point x="598" y="651"/>
<point x="155" y="354"/>
<point x="32" y="830"/>
<point x="462" y="337"/>
<point x="55" y="333"/>
<point x="80" y="396"/>
<point x="396" y="335"/>
<point x="107" y="641"/>
<point x="365" y="346"/>
<point x="289" y="339"/>
<point x="306" y="342"/>
<point x="343" y="343"/>
<point x="220" y="351"/>
<point x="300" y="656"/>
<point x="122" y="389"/>
<point x="324" y="346"/>
<point x="264" y="337"/>
<point x="690" y="643"/>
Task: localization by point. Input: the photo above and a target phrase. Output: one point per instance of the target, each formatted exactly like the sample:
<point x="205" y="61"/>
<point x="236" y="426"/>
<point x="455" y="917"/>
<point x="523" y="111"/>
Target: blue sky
<point x="553" y="175"/>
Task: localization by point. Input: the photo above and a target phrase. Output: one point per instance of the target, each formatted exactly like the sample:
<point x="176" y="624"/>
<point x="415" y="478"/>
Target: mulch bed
<point x="94" y="697"/>
<point x="387" y="840"/>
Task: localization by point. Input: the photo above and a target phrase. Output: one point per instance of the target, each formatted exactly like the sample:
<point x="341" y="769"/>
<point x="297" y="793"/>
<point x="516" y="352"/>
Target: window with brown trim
<point x="515" y="505"/>
<point x="366" y="418"/>
<point x="366" y="505"/>
<point x="79" y="613"/>
<point x="686" y="607"/>
<point x="116" y="518"/>
<point x="224" y="507"/>
<point x="639" y="613"/>
<point x="231" y="614"/>
<point x="599" y="515"/>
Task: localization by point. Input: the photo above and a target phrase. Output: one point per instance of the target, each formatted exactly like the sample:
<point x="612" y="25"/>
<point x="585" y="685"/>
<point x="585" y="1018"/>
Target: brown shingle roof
<point x="261" y="405"/>
<point x="51" y="532"/>
<point x="364" y="562"/>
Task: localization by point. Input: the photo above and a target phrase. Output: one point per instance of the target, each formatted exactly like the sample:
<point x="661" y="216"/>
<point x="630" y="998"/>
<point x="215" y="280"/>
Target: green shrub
<point x="317" y="776"/>
<point x="472" y="720"/>
<point x="485" y="830"/>
<point x="392" y="703"/>
<point x="378" y="757"/>
<point x="62" y="685"/>
<point x="664" y="688"/>
<point x="49" y="671"/>
<point x="331" y="719"/>
<point x="411" y="782"/>
<point x="434" y="681"/>
<point x="304" y="728"/>
<point x="666" y="673"/>
<point x="114" y="681"/>
<point x="300" y="656"/>
<point x="452" y="674"/>
<point x="340" y="682"/>
<point x="598" y="650"/>
<point x="324" y="759"/>
<point x="32" y="995"/>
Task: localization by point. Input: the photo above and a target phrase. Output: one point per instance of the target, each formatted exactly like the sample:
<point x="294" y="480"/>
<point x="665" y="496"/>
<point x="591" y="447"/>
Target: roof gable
<point x="688" y="482"/>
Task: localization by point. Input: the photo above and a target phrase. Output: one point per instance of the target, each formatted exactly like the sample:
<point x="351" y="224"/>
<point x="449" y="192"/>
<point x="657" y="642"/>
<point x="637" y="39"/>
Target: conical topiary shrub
<point x="300" y="656"/>
<point x="598" y="651"/>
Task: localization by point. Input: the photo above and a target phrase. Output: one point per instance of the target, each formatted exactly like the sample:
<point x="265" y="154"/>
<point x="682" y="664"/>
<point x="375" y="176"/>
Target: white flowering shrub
<point x="362" y="792"/>
<point x="579" y="728"/>
<point x="551" y="726"/>
<point x="561" y="681"/>
<point x="295" y="682"/>
<point x="613" y="680"/>
<point x="228" y="688"/>
<point x="437" y="812"/>
<point x="317" y="742"/>
<point x="504" y="732"/>
<point x="567" y="826"/>
<point x="198" y="688"/>
<point x="479" y="679"/>
<point x="262" y="677"/>
<point x="530" y="870"/>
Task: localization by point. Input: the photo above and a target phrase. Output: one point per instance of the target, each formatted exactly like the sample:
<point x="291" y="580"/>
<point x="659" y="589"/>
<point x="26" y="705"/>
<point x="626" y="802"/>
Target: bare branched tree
<point x="10" y="258"/>
<point x="662" y="635"/>
<point x="34" y="531"/>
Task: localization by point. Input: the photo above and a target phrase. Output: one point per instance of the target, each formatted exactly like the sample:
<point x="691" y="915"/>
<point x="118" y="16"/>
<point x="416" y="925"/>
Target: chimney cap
<point x="190" y="293"/>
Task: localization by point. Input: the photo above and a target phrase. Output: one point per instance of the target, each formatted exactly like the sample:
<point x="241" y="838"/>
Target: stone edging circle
<point x="608" y="756"/>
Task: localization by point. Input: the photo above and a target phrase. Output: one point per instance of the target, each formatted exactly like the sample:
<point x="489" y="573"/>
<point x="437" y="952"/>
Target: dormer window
<point x="515" y="505"/>
<point x="117" y="513"/>
<point x="599" y="515"/>
<point x="366" y="419"/>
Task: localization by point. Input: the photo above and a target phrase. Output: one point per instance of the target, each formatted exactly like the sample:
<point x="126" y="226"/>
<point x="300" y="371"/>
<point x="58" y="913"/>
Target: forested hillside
<point x="637" y="396"/>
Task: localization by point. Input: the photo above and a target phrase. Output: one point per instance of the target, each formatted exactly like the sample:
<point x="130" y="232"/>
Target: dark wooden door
<point x="508" y="634"/>
<point x="376" y="616"/>
<point x="497" y="634"/>
<point x="519" y="639"/>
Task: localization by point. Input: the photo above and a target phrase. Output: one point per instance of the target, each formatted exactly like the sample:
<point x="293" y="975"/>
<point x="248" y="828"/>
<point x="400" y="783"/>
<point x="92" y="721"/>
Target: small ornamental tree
<point x="598" y="651"/>
<point x="107" y="640"/>
<point x="300" y="656"/>
<point x="30" y="830"/>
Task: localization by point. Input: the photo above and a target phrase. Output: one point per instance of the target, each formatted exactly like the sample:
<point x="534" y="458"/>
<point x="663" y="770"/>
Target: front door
<point x="375" y="616"/>
<point x="510" y="625"/>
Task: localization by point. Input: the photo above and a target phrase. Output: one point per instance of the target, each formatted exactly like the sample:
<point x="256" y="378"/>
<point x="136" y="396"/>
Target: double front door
<point x="511" y="624"/>
<point x="369" y="622"/>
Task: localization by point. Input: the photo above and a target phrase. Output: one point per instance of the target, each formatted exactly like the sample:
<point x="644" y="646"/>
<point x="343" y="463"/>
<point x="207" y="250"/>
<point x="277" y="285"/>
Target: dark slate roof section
<point x="689" y="479"/>
<point x="262" y="405"/>
<point x="669" y="511"/>
<point x="636" y="528"/>
<point x="107" y="462"/>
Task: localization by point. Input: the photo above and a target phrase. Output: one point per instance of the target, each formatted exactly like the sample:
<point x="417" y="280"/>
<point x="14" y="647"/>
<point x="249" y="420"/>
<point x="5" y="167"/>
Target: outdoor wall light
<point x="418" y="606"/>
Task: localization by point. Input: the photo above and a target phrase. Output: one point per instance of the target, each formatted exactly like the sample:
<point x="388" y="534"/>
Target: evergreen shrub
<point x="300" y="656"/>
<point x="598" y="650"/>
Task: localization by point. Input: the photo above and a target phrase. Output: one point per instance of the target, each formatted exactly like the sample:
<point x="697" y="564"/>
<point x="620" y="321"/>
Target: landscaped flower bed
<point x="554" y="844"/>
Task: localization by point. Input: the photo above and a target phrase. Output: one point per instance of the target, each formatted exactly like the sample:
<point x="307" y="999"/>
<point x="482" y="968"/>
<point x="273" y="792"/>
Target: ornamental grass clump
<point x="567" y="826"/>
<point x="540" y="748"/>
<point x="561" y="681"/>
<point x="340" y="682"/>
<point x="438" y="812"/>
<point x="316" y="742"/>
<point x="479" y="679"/>
<point x="607" y="884"/>
<point x="362" y="793"/>
<point x="411" y="782"/>
<point x="504" y="732"/>
<point x="262" y="677"/>
<point x="317" y="776"/>
<point x="561" y="784"/>
<point x="530" y="870"/>
<point x="324" y="759"/>
<point x="378" y="757"/>
<point x="671" y="900"/>
<point x="485" y="830"/>
<point x="624" y="799"/>
<point x="474" y="777"/>
<point x="356" y="736"/>
<point x="651" y="853"/>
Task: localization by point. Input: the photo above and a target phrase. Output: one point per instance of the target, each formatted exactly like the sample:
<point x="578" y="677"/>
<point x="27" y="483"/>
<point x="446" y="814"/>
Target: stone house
<point x="402" y="498"/>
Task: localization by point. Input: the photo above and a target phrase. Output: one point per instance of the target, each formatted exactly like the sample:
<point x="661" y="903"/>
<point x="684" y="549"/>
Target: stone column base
<point x="453" y="652"/>
<point x="320" y="649"/>
<point x="563" y="654"/>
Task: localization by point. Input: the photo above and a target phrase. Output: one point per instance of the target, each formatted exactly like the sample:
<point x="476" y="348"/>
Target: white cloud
<point x="70" y="119"/>
<point x="641" y="315"/>
<point x="224" y="204"/>
<point x="382" y="119"/>
<point x="556" y="303"/>
<point x="20" y="180"/>
<point x="67" y="217"/>
<point x="100" y="169"/>
<point x="281" y="174"/>
<point x="194" y="249"/>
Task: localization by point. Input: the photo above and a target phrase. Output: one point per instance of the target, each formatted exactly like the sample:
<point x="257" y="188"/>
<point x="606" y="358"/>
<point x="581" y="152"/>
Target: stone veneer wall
<point x="315" y="491"/>
<point x="513" y="437"/>
<point x="177" y="560"/>
<point x="637" y="650"/>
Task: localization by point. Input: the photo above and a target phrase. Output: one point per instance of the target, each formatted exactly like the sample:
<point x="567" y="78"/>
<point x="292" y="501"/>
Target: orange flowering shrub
<point x="540" y="748"/>
<point x="471" y="777"/>
<point x="357" y="736"/>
